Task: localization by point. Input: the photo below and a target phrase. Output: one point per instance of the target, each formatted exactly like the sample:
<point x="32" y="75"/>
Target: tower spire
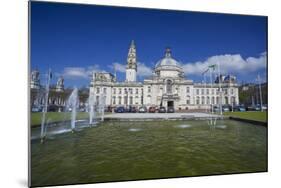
<point x="131" y="67"/>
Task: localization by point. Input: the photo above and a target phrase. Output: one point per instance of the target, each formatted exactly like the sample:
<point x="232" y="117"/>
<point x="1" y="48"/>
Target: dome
<point x="168" y="62"/>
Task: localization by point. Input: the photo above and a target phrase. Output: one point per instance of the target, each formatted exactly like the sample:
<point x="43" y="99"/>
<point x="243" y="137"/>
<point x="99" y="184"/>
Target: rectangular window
<point x="137" y="91"/>
<point x="187" y="101"/>
<point x="232" y="91"/>
<point x="104" y="90"/>
<point x="202" y="91"/>
<point x="207" y="92"/>
<point x="97" y="100"/>
<point x="114" y="100"/>
<point x="114" y="90"/>
<point x="120" y="91"/>
<point x="149" y="89"/>
<point x="197" y="91"/>
<point x="187" y="90"/>
<point x="213" y="92"/>
<point x="119" y="100"/>
<point x="98" y="90"/>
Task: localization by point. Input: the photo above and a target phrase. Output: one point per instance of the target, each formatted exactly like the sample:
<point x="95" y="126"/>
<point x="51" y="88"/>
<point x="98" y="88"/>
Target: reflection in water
<point x="183" y="126"/>
<point x="115" y="151"/>
<point x="134" y="129"/>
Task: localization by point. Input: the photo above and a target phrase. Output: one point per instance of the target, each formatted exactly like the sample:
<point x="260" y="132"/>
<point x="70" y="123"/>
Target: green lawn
<point x="257" y="116"/>
<point x="55" y="116"/>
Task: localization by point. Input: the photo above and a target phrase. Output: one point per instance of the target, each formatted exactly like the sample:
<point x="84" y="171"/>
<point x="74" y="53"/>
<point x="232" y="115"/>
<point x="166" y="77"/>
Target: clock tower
<point x="131" y="68"/>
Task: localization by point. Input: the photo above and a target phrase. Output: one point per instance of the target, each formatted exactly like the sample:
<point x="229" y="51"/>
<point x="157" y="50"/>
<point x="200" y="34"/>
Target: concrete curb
<point x="249" y="121"/>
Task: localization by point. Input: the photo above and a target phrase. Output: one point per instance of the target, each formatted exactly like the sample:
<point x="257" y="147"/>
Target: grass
<point x="55" y="116"/>
<point x="257" y="116"/>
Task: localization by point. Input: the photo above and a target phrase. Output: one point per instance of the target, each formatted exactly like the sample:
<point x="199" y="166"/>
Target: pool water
<point x="118" y="151"/>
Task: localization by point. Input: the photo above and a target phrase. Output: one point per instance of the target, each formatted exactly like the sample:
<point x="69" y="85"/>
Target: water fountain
<point x="45" y="109"/>
<point x="102" y="106"/>
<point x="92" y="114"/>
<point x="72" y="103"/>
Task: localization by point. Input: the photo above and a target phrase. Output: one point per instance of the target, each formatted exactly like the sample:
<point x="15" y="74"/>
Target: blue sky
<point x="75" y="40"/>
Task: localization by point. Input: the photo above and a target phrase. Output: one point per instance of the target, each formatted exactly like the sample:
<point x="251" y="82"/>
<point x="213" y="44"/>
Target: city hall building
<point x="167" y="87"/>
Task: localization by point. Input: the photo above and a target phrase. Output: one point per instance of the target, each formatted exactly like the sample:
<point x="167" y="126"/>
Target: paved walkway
<point x="159" y="115"/>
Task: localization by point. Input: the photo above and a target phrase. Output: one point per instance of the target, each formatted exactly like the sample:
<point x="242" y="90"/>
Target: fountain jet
<point x="72" y="103"/>
<point x="45" y="109"/>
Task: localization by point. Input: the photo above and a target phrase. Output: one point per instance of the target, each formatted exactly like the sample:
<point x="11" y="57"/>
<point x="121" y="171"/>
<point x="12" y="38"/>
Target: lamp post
<point x="259" y="81"/>
<point x="220" y="92"/>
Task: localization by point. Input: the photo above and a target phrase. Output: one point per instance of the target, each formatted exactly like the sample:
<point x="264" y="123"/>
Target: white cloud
<point x="228" y="64"/>
<point x="118" y="67"/>
<point x="143" y="70"/>
<point x="79" y="72"/>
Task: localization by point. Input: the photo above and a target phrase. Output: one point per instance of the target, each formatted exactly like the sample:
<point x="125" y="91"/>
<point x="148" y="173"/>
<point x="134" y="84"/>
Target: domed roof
<point x="167" y="62"/>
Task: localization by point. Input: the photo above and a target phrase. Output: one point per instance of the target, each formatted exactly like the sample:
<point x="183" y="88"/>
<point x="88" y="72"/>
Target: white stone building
<point x="167" y="87"/>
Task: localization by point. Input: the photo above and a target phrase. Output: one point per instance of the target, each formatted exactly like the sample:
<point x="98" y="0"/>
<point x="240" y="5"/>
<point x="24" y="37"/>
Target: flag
<point x="205" y="71"/>
<point x="212" y="66"/>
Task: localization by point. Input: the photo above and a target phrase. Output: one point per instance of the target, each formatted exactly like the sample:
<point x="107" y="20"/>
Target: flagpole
<point x="220" y="94"/>
<point x="205" y="88"/>
<point x="211" y="80"/>
<point x="260" y="91"/>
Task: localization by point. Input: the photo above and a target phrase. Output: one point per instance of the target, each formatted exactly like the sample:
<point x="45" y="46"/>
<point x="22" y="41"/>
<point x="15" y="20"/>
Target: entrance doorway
<point x="170" y="104"/>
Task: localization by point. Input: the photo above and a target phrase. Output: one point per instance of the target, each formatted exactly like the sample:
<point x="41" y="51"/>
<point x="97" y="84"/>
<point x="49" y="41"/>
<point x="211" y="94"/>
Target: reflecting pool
<point x="116" y="151"/>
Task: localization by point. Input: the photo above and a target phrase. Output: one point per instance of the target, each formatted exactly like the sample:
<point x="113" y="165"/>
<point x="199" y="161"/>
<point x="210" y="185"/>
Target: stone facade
<point x="166" y="87"/>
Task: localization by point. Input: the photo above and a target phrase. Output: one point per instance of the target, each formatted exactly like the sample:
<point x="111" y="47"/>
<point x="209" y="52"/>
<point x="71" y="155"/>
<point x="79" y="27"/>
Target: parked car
<point x="258" y="107"/>
<point x="82" y="109"/>
<point x="225" y="108"/>
<point x="239" y="108"/>
<point x="120" y="109"/>
<point x="170" y="109"/>
<point x="132" y="109"/>
<point x="36" y="109"/>
<point x="162" y="109"/>
<point x="216" y="109"/>
<point x="250" y="108"/>
<point x="152" y="109"/>
<point x="52" y="108"/>
<point x="264" y="107"/>
<point x="142" y="109"/>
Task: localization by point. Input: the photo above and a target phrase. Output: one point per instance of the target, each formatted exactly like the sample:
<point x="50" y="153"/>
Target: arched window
<point x="226" y="100"/>
<point x="208" y="100"/>
<point x="119" y="100"/>
<point x="131" y="100"/>
<point x="202" y="100"/>
<point x="169" y="86"/>
<point x="197" y="100"/>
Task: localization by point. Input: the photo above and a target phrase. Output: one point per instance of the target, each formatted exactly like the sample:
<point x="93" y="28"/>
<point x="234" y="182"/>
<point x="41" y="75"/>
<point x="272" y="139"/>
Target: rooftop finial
<point x="168" y="52"/>
<point x="132" y="43"/>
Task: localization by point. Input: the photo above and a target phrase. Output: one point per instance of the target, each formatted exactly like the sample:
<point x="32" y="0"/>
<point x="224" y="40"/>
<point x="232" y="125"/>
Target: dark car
<point x="152" y="109"/>
<point x="142" y="109"/>
<point x="239" y="108"/>
<point x="53" y="108"/>
<point x="216" y="109"/>
<point x="250" y="108"/>
<point x="170" y="110"/>
<point x="162" y="109"/>
<point x="132" y="109"/>
<point x="120" y="109"/>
